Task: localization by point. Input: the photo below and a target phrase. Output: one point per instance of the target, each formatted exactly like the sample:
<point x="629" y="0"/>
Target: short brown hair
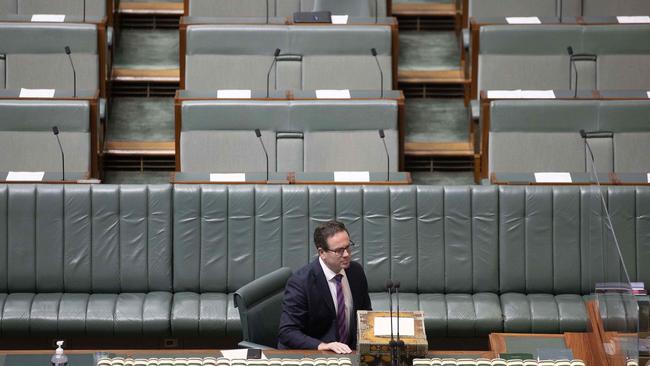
<point x="326" y="231"/>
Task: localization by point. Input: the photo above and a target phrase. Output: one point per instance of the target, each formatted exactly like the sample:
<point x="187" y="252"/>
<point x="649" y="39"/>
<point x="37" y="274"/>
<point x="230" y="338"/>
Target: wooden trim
<point x="389" y="8"/>
<point x="110" y="12"/>
<point x="94" y="139"/>
<point x="474" y="38"/>
<point x="401" y="130"/>
<point x="182" y="42"/>
<point x="139" y="147"/>
<point x="177" y="133"/>
<point x="465" y="11"/>
<point x="432" y="77"/>
<point x="186" y="8"/>
<point x="595" y="328"/>
<point x="170" y="9"/>
<point x="424" y="9"/>
<point x="439" y="149"/>
<point x="103" y="65"/>
<point x="158" y="75"/>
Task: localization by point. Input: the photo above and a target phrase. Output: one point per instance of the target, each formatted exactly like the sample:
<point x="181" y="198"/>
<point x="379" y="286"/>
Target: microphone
<point x="84" y="14"/>
<point x="381" y="74"/>
<point x="74" y="72"/>
<point x="400" y="343"/>
<point x="268" y="74"/>
<point x="55" y="130"/>
<point x="575" y="68"/>
<point x="259" y="136"/>
<point x="392" y="344"/>
<point x="584" y="136"/>
<point x="382" y="137"/>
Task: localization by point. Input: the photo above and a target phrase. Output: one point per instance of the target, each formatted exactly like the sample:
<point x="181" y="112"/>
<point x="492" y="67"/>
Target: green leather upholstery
<point x="260" y="305"/>
<point x="276" y="8"/>
<point x="94" y="8"/>
<point x="163" y="261"/>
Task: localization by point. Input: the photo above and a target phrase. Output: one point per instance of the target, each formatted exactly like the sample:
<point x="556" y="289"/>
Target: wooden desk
<point x="577" y="178"/>
<point x="320" y="178"/>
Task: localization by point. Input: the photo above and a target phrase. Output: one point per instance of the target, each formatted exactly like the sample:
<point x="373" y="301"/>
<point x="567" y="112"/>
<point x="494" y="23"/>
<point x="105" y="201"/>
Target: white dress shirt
<point x="347" y="294"/>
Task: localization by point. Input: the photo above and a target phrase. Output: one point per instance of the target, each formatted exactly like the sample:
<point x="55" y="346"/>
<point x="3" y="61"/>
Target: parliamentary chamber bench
<point x="282" y="8"/>
<point x="162" y="261"/>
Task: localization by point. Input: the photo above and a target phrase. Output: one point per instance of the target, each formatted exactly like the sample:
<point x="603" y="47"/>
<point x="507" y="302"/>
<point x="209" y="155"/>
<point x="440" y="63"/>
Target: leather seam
<point x="119" y="236"/>
<point x="200" y="217"/>
<point x="146" y="244"/>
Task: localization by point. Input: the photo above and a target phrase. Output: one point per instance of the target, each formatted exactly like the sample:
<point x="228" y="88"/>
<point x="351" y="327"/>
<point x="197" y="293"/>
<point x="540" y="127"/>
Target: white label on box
<point x="333" y="94"/>
<point x="537" y="94"/>
<point x="523" y="20"/>
<point x="51" y="18"/>
<point x="648" y="177"/>
<point x="648" y="92"/>
<point x="633" y="19"/>
<point x="406" y="326"/>
<point x="352" y="176"/>
<point x="339" y="19"/>
<point x="36" y="93"/>
<point x="233" y="94"/>
<point x="553" y="177"/>
<point x="227" y="177"/>
<point x="25" y="176"/>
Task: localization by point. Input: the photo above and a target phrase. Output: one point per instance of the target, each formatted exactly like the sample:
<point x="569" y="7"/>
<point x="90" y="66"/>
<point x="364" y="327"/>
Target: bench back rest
<point x="310" y="135"/>
<point x="27" y="142"/>
<point x="93" y="8"/>
<point x="85" y="238"/>
<point x="312" y="57"/>
<point x="542" y="135"/>
<point x="276" y="8"/>
<point x="42" y="63"/>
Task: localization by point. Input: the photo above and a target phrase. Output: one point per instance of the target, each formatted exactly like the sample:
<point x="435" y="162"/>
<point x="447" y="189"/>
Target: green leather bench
<point x="164" y="261"/>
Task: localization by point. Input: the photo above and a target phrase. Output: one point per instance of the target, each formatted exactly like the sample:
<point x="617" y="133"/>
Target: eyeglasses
<point x="339" y="252"/>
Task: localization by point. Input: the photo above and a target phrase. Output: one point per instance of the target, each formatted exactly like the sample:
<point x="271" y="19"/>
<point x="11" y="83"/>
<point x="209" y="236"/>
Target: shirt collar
<point x="329" y="274"/>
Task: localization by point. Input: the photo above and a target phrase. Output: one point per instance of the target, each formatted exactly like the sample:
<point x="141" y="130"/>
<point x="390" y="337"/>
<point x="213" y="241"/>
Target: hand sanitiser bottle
<point x="59" y="358"/>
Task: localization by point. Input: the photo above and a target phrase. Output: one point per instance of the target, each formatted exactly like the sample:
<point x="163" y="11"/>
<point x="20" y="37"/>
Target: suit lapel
<point x="322" y="286"/>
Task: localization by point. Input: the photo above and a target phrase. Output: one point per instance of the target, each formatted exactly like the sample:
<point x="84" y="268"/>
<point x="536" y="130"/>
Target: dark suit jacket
<point x="308" y="315"/>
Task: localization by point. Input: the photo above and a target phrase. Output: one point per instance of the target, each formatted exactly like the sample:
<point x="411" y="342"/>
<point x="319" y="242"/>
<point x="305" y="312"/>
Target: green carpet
<point x="436" y="120"/>
<point x="126" y="177"/>
<point x="147" y="49"/>
<point x="141" y="119"/>
<point x="428" y="51"/>
<point x="446" y="178"/>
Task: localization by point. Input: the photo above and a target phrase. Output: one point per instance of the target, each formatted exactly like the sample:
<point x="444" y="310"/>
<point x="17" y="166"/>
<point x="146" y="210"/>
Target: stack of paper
<point x="552" y="177"/>
<point x="521" y="94"/>
<point x="633" y="19"/>
<point x="36" y="93"/>
<point x="523" y="20"/>
<point x="333" y="94"/>
<point x="352" y="176"/>
<point x="52" y="18"/>
<point x="227" y="177"/>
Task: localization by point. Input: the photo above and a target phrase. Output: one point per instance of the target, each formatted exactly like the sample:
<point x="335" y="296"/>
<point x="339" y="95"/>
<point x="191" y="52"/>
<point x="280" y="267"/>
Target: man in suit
<point x="321" y="299"/>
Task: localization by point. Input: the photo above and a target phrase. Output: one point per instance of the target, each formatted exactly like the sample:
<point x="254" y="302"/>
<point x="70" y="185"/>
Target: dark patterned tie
<point x="340" y="314"/>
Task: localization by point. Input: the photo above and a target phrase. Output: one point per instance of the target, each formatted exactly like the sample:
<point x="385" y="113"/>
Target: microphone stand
<point x="394" y="361"/>
<point x="382" y="136"/>
<point x="399" y="344"/>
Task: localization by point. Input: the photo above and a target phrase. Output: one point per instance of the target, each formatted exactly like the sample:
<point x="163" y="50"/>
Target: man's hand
<point x="335" y="346"/>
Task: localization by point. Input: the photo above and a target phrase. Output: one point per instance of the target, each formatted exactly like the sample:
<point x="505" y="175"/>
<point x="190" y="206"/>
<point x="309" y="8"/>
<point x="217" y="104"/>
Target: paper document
<point x="552" y="177"/>
<point x="406" y="326"/>
<point x="227" y="177"/>
<point x="352" y="176"/>
<point x="233" y="94"/>
<point x="648" y="94"/>
<point x="523" y="20"/>
<point x="333" y="94"/>
<point x="648" y="177"/>
<point x="25" y="176"/>
<point x="36" y="93"/>
<point x="537" y="94"/>
<point x="238" y="354"/>
<point x="504" y="94"/>
<point x="52" y="18"/>
<point x="634" y="19"/>
<point x="339" y="19"/>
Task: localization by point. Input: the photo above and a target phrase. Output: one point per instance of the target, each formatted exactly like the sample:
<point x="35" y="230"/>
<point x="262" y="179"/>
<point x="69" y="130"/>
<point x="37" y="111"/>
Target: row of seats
<point x="312" y="57"/>
<point x="284" y="8"/>
<point x="542" y="135"/>
<point x="310" y="136"/>
<point x="163" y="260"/>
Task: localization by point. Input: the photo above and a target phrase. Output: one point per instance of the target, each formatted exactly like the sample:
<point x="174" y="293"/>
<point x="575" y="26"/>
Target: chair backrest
<point x="260" y="305"/>
<point x="42" y="63"/>
<point x="360" y="8"/>
<point x="542" y="135"/>
<point x="93" y="8"/>
<point x="311" y="135"/>
<point x="27" y="142"/>
<point x="276" y="8"/>
<point x="535" y="57"/>
<point x="615" y="7"/>
<point x="312" y="57"/>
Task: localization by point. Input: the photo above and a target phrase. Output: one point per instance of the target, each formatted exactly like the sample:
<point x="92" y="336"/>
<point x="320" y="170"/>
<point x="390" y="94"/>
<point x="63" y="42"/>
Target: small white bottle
<point x="59" y="358"/>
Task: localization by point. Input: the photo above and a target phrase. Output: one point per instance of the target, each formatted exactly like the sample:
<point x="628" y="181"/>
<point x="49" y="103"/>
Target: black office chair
<point x="260" y="305"/>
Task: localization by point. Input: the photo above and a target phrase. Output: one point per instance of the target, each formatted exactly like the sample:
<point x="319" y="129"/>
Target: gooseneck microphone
<point x="259" y="137"/>
<point x="382" y="136"/>
<point x="381" y="74"/>
<point x="585" y="137"/>
<point x="55" y="130"/>
<point x="268" y="74"/>
<point x="394" y="361"/>
<point x="74" y="72"/>
<point x="575" y="68"/>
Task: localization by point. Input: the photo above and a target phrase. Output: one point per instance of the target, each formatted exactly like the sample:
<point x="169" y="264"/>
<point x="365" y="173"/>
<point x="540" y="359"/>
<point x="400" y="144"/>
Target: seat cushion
<point x="462" y="315"/>
<point x="132" y="314"/>
<point x="543" y="313"/>
<point x="199" y="314"/>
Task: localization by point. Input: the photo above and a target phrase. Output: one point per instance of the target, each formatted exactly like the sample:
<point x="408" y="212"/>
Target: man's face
<point x="336" y="244"/>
